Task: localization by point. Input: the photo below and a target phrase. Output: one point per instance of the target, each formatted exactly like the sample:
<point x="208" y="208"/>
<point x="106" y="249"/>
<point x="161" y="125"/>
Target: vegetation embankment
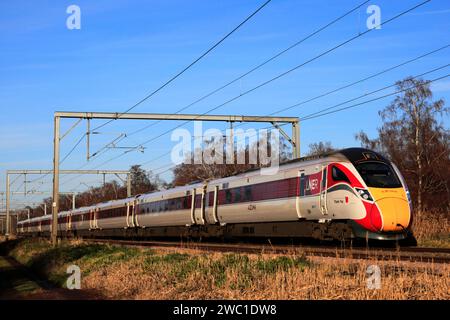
<point x="143" y="273"/>
<point x="432" y="229"/>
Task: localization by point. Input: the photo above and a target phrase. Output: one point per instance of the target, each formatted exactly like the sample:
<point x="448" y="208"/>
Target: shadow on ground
<point x="18" y="282"/>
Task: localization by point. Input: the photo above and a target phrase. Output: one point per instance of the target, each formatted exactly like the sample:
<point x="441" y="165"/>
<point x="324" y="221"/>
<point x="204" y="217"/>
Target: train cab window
<point x="378" y="175"/>
<point x="228" y="196"/>
<point x="338" y="175"/>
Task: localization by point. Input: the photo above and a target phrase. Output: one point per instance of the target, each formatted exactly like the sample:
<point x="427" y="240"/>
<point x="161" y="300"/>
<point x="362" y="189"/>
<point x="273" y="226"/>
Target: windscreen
<point x="378" y="175"/>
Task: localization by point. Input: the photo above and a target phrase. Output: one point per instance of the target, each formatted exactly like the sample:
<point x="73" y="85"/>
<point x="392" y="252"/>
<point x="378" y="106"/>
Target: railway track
<point x="414" y="254"/>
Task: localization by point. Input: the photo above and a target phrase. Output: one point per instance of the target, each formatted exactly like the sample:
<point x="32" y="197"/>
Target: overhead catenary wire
<point x="181" y="72"/>
<point x="316" y="97"/>
<point x="161" y="156"/>
<point x="17" y="178"/>
<point x="360" y="81"/>
<point x="356" y="82"/>
<point x="20" y="186"/>
<point x="375" y="91"/>
<point x="280" y="53"/>
<point x="326" y="110"/>
<point x="73" y="148"/>
<point x="292" y="69"/>
<point x="249" y="136"/>
<point x="280" y="75"/>
<point x="265" y="62"/>
<point x="359" y="35"/>
<point x="368" y="101"/>
<point x="189" y="65"/>
<point x="63" y="159"/>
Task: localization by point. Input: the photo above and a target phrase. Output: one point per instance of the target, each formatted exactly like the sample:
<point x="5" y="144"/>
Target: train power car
<point x="347" y="194"/>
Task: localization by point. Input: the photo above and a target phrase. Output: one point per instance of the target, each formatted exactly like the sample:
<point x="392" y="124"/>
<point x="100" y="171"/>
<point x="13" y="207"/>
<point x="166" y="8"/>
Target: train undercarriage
<point x="327" y="231"/>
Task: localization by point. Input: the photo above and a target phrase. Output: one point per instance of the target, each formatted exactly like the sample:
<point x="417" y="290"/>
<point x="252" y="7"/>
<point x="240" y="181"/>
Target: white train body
<point x="323" y="190"/>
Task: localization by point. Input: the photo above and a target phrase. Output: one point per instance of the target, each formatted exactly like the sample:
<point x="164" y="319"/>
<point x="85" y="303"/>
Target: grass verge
<point x="135" y="273"/>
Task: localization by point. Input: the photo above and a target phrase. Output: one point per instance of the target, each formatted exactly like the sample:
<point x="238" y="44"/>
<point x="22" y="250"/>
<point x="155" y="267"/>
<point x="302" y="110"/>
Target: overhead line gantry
<point x="294" y="139"/>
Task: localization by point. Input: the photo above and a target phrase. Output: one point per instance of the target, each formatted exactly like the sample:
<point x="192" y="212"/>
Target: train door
<point x="309" y="199"/>
<point x="130" y="215"/>
<point x="194" y="194"/>
<point x="91" y="219"/>
<point x="211" y="205"/>
<point x="323" y="191"/>
<point x="135" y="211"/>
<point x="199" y="213"/>
<point x="96" y="218"/>
<point x="68" y="222"/>
<point x="215" y="203"/>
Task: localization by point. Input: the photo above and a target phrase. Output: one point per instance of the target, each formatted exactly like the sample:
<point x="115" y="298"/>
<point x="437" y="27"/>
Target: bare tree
<point x="414" y="138"/>
<point x="188" y="172"/>
<point x="141" y="182"/>
<point x="319" y="148"/>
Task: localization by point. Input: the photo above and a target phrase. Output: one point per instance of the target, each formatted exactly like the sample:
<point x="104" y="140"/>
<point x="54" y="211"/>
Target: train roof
<point x="354" y="155"/>
<point x="180" y="189"/>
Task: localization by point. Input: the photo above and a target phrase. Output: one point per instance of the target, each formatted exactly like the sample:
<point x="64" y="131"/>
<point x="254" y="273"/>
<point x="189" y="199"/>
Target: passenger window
<point x="228" y="196"/>
<point x="338" y="175"/>
<point x="248" y="193"/>
<point x="237" y="195"/>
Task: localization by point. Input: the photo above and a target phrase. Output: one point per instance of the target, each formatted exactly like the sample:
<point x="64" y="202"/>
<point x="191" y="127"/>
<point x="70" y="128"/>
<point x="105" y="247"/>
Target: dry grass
<point x="130" y="273"/>
<point x="324" y="281"/>
<point x="432" y="229"/>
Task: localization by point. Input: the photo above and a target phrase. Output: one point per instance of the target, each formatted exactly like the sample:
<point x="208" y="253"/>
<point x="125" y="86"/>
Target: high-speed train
<point x="347" y="194"/>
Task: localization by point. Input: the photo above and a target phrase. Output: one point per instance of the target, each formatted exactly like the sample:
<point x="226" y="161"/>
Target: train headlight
<point x="363" y="193"/>
<point x="408" y="196"/>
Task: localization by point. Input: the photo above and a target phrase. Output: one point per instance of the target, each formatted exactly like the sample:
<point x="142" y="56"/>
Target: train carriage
<point x="351" y="193"/>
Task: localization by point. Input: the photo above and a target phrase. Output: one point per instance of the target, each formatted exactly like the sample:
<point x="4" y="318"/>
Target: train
<point x="354" y="193"/>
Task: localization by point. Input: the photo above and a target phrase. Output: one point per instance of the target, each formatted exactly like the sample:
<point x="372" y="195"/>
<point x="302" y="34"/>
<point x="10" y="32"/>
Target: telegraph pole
<point x="296" y="139"/>
<point x="46" y="172"/>
<point x="55" y="196"/>
<point x="8" y="218"/>
<point x="129" y="185"/>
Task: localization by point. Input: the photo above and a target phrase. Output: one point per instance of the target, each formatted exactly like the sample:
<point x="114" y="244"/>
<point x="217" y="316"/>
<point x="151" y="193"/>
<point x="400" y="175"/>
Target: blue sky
<point x="126" y="49"/>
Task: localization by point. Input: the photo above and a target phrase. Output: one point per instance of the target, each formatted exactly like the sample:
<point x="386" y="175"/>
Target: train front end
<point x="384" y="194"/>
